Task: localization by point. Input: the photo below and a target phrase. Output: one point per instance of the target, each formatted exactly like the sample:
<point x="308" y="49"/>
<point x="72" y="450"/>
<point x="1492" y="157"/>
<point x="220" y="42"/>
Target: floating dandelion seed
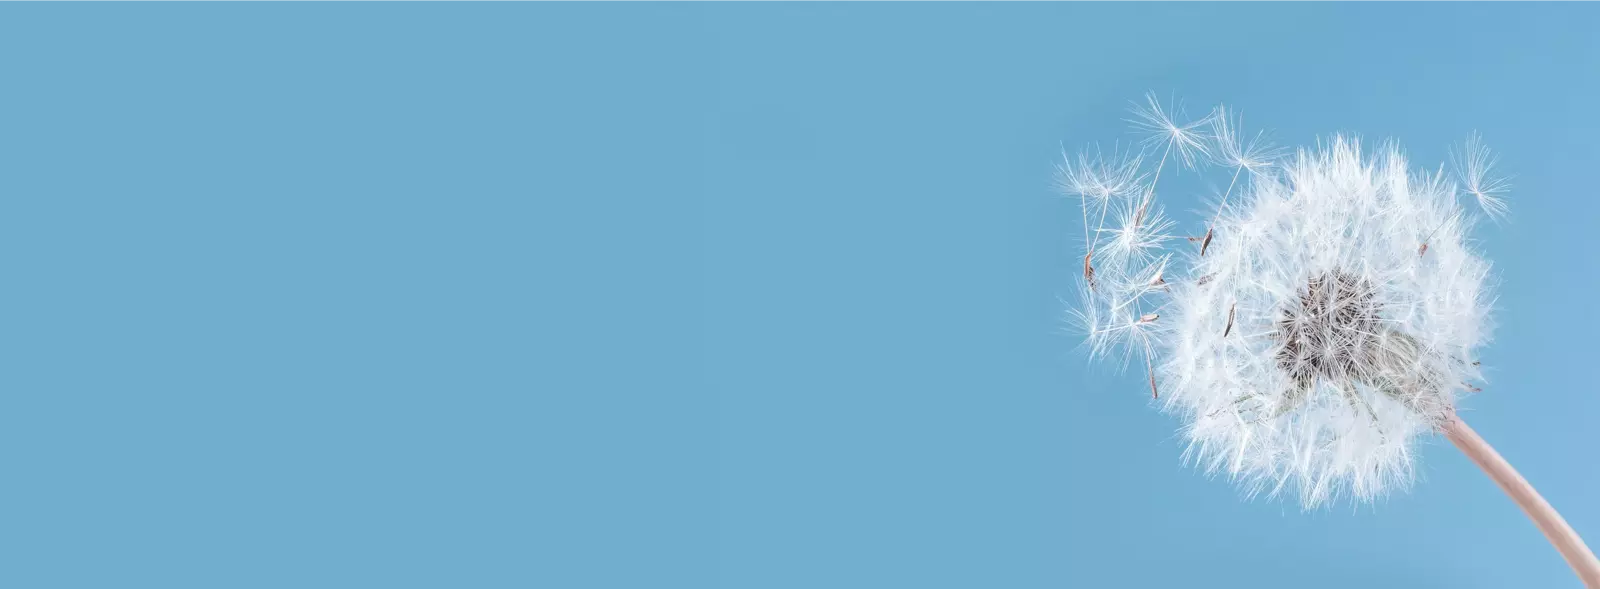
<point x="1232" y="150"/>
<point x="1139" y="234"/>
<point x="1096" y="178"/>
<point x="1330" y="317"/>
<point x="1474" y="166"/>
<point x="1161" y="129"/>
<point x="1254" y="156"/>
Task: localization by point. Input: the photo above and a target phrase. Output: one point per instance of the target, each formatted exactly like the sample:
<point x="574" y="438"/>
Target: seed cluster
<point x="1330" y="331"/>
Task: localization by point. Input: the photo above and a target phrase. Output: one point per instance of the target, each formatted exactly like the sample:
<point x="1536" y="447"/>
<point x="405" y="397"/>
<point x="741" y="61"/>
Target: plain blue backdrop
<point x="718" y="295"/>
<point x="328" y="295"/>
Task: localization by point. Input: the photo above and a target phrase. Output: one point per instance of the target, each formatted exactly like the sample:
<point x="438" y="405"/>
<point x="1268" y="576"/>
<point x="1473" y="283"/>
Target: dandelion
<point x="1330" y="318"/>
<point x="1349" y="345"/>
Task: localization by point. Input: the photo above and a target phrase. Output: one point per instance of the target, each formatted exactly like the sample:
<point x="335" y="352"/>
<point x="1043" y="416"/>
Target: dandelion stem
<point x="1543" y="515"/>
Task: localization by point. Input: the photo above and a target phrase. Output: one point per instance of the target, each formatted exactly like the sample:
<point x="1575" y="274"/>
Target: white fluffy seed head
<point x="1346" y="342"/>
<point x="1333" y="318"/>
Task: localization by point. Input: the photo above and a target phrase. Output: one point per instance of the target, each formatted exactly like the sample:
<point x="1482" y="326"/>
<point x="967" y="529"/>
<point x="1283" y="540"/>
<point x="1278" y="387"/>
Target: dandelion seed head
<point x="1310" y="344"/>
<point x="1346" y="345"/>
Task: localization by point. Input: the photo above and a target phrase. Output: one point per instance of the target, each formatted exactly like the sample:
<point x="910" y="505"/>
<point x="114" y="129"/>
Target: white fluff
<point x="1334" y="317"/>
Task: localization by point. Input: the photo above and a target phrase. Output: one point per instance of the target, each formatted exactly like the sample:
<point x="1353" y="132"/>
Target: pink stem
<point x="1545" y="517"/>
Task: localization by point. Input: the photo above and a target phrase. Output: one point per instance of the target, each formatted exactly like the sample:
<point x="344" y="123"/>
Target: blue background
<point x="499" y="295"/>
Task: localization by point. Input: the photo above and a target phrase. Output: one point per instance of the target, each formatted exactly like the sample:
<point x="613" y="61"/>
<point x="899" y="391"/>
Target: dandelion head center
<point x="1330" y="330"/>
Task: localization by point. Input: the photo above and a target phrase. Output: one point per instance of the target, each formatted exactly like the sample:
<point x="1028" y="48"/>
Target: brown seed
<point x="1149" y="317"/>
<point x="1205" y="279"/>
<point x="1205" y="244"/>
<point x="1422" y="250"/>
<point x="1472" y="388"/>
<point x="1088" y="270"/>
<point x="1152" y="372"/>
<point x="1229" y="328"/>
